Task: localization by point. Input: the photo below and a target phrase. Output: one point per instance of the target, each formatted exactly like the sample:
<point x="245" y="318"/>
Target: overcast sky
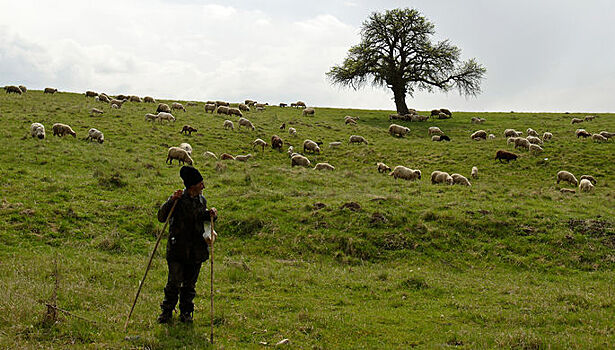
<point x="547" y="55"/>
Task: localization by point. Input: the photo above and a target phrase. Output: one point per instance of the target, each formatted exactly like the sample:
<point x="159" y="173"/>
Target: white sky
<point x="547" y="55"/>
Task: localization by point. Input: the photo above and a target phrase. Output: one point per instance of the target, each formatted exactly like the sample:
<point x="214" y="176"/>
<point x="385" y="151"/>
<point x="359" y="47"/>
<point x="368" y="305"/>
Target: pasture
<point x="508" y="262"/>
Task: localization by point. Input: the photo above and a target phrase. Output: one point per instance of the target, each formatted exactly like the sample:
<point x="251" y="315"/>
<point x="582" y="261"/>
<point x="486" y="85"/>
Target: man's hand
<point x="177" y="194"/>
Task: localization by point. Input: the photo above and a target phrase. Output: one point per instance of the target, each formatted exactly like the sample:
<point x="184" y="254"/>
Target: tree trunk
<point x="399" y="94"/>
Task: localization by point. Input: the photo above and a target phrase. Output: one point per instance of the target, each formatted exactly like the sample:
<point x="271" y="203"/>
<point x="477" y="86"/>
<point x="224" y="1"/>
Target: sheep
<point x="576" y="121"/>
<point x="290" y="151"/>
<point x="292" y="131"/>
<point x="547" y="136"/>
<point x="208" y="154"/>
<point x="151" y="117"/>
<point x="441" y="138"/>
<point x="398" y="130"/>
<point x="12" y="89"/>
<point x="534" y="140"/>
<point x="589" y="118"/>
<point x="50" y="91"/>
<point x="335" y="144"/>
<point x="568" y="177"/>
<point x="249" y="102"/>
<point x="116" y="106"/>
<point x="585" y="186"/>
<point x="260" y="109"/>
<point x="435" y="138"/>
<point x="350" y="121"/>
<point x="434" y="130"/>
<point x="186" y="147"/>
<point x="567" y="190"/>
<point x="588" y="177"/>
<point x="382" y="167"/>
<point x="187" y="129"/>
<point x="607" y="134"/>
<point x="229" y="125"/>
<point x="37" y="130"/>
<point x="459" y="179"/>
<point x="103" y="98"/>
<point x="599" y="138"/>
<point x="222" y="110"/>
<point x="95" y="111"/>
<point x="260" y="105"/>
<point x="283" y="104"/>
<point x="166" y="116"/>
<point x="300" y="160"/>
<point x="235" y="111"/>
<point x="222" y="103"/>
<point x="435" y="112"/>
<point x="276" y="143"/>
<point x="245" y="122"/>
<point x="443" y="116"/>
<point x="402" y="172"/>
<point x="226" y="156"/>
<point x="149" y="99"/>
<point x="163" y="107"/>
<point x="479" y="135"/>
<point x="357" y="139"/>
<point x="446" y="111"/>
<point x="293" y="104"/>
<point x="122" y="97"/>
<point x="508" y="156"/>
<point x="243" y="107"/>
<point x="532" y="132"/>
<point x="491" y="136"/>
<point x="535" y="149"/>
<point x="210" y="107"/>
<point x="23" y="89"/>
<point x="308" y="111"/>
<point x="62" y="129"/>
<point x="300" y="104"/>
<point x="180" y="154"/>
<point x="91" y="93"/>
<point x="441" y="177"/>
<point x="523" y="143"/>
<point x="582" y="133"/>
<point x="511" y="140"/>
<point x="95" y="135"/>
<point x="309" y="145"/>
<point x="176" y="105"/>
<point x="135" y="99"/>
<point x="476" y="120"/>
<point x="512" y="133"/>
<point x="117" y="103"/>
<point x="242" y="158"/>
<point x="324" y="166"/>
<point x="474" y="173"/>
<point x="259" y="142"/>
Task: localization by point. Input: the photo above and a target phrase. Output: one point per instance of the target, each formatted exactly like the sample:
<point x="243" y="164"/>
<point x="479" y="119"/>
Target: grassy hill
<point x="509" y="262"/>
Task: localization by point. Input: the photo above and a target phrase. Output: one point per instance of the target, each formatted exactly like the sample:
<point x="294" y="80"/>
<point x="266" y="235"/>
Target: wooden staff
<point x="211" y="259"/>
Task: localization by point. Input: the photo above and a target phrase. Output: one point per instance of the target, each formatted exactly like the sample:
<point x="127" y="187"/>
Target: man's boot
<point x="165" y="316"/>
<point x="185" y="317"/>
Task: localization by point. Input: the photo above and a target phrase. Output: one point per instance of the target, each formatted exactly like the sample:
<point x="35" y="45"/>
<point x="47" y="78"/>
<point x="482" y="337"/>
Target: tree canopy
<point x="396" y="52"/>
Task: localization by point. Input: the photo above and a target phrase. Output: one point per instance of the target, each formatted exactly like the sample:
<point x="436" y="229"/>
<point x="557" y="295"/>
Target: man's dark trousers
<point x="181" y="283"/>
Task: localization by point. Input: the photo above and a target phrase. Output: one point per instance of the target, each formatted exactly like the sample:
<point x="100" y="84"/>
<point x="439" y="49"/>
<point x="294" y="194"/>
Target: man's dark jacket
<point x="186" y="243"/>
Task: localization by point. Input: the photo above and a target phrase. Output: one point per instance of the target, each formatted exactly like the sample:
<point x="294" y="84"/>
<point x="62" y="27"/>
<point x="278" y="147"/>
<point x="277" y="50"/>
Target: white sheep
<point x="491" y="136"/>
<point x="96" y="111"/>
<point x="166" y="116"/>
<point x="259" y="142"/>
<point x="245" y="122"/>
<point x="459" y="179"/>
<point x="208" y="154"/>
<point x="599" y="138"/>
<point x="290" y="151"/>
<point x="308" y="111"/>
<point x="523" y="143"/>
<point x="512" y="133"/>
<point x="222" y="110"/>
<point x="532" y="132"/>
<point x="292" y="131"/>
<point x="357" y="139"/>
<point x="309" y="145"/>
<point x="243" y="158"/>
<point x="210" y="107"/>
<point x="547" y="136"/>
<point x="151" y="117"/>
<point x="186" y="147"/>
<point x="479" y="135"/>
<point x="441" y="177"/>
<point x="585" y="186"/>
<point x="566" y="176"/>
<point x="511" y="140"/>
<point x="149" y="99"/>
<point x="243" y="107"/>
<point x="229" y="125"/>
<point x="474" y="172"/>
<point x="535" y="149"/>
<point x="97" y="135"/>
<point x="180" y="154"/>
<point x="398" y="130"/>
<point x="382" y="167"/>
<point x="300" y="160"/>
<point x="590" y="178"/>
<point x="576" y="121"/>
<point x="435" y="138"/>
<point x="324" y="166"/>
<point x="534" y="140"/>
<point x="37" y="130"/>
<point x="62" y="129"/>
<point x="334" y="144"/>
<point x="235" y="111"/>
<point x="607" y="134"/>
<point x="434" y="130"/>
<point x="176" y="105"/>
<point x="402" y="172"/>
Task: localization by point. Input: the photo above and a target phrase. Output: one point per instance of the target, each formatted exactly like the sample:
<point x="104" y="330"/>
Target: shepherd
<point x="187" y="246"/>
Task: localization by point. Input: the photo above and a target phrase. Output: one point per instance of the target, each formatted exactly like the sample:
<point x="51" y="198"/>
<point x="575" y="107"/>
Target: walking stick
<point x="211" y="274"/>
<point x="148" y="265"/>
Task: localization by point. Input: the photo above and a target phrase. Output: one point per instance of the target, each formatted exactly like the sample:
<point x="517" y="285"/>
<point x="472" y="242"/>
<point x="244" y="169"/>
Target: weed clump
<point x="112" y="181"/>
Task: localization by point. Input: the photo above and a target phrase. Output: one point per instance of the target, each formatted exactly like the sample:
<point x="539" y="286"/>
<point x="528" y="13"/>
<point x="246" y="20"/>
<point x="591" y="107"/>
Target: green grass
<point x="510" y="262"/>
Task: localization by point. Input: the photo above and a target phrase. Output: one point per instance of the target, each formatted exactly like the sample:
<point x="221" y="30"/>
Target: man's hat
<point x="190" y="175"/>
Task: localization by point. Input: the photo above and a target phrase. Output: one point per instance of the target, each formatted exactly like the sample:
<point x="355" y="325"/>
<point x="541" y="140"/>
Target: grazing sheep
<point x="135" y="99"/>
<point x="149" y="99"/>
<point x="599" y="138"/>
<point x="474" y="173"/>
<point x="523" y="143"/>
<point x="434" y="130"/>
<point x="590" y="178"/>
<point x="535" y="149"/>
<point x="435" y="112"/>
<point x="260" y="105"/>
<point x="479" y="135"/>
<point x="534" y="140"/>
<point x="242" y="158"/>
<point x="37" y="130"/>
<point x="607" y="134"/>
<point x="208" y="154"/>
<point x="50" y="90"/>
<point x="567" y="190"/>
<point x="308" y="111"/>
<point x="245" y="122"/>
<point x="441" y="177"/>
<point x="459" y="179"/>
<point x="350" y="121"/>
<point x="276" y="142"/>
<point x="176" y="105"/>
<point x="117" y="103"/>
<point x="402" y="172"/>
<point x="443" y="116"/>
<point x="589" y="118"/>
<point x="576" y="121"/>
<point x="382" y="167"/>
<point x="511" y="140"/>
<point x="235" y="111"/>
<point x="95" y="135"/>
<point x="300" y="160"/>
<point x="91" y="94"/>
<point x="532" y="132"/>
<point x="324" y="166"/>
<point x="222" y="110"/>
<point x="260" y="109"/>
<point x="290" y="151"/>
<point x="508" y="156"/>
<point x="309" y="145"/>
<point x="582" y="133"/>
<point x="444" y="138"/>
<point x="187" y="129"/>
<point x="283" y="104"/>
<point x="292" y="131"/>
<point x="283" y="126"/>
<point x="244" y="107"/>
<point x="226" y="156"/>
<point x="210" y="107"/>
<point x="151" y="117"/>
<point x="103" y="98"/>
<point x="259" y="142"/>
<point x="23" y="89"/>
<point x="229" y="125"/>
<point x="222" y="103"/>
<point x="122" y="97"/>
<point x="180" y="154"/>
<point x="299" y="104"/>
<point x="60" y="129"/>
<point x="547" y="136"/>
<point x="398" y="130"/>
<point x="585" y="186"/>
<point x="335" y="144"/>
<point x="512" y="133"/>
<point x="163" y="107"/>
<point x="491" y="136"/>
<point x="357" y="139"/>
<point x="95" y="111"/>
<point x="116" y="106"/>
<point x="12" y="89"/>
<point x="435" y="138"/>
<point x="249" y="102"/>
<point x="567" y="176"/>
<point x="476" y="120"/>
<point x="166" y="116"/>
<point x="446" y="111"/>
<point x="186" y="147"/>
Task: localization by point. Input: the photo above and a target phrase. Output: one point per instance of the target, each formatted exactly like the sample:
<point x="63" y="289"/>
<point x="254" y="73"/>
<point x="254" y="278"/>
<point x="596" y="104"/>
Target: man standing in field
<point x="187" y="249"/>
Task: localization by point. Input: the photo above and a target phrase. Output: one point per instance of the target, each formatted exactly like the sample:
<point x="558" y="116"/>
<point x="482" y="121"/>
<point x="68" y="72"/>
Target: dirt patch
<point x="318" y="206"/>
<point x="378" y="218"/>
<point x="594" y="228"/>
<point x="354" y="206"/>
